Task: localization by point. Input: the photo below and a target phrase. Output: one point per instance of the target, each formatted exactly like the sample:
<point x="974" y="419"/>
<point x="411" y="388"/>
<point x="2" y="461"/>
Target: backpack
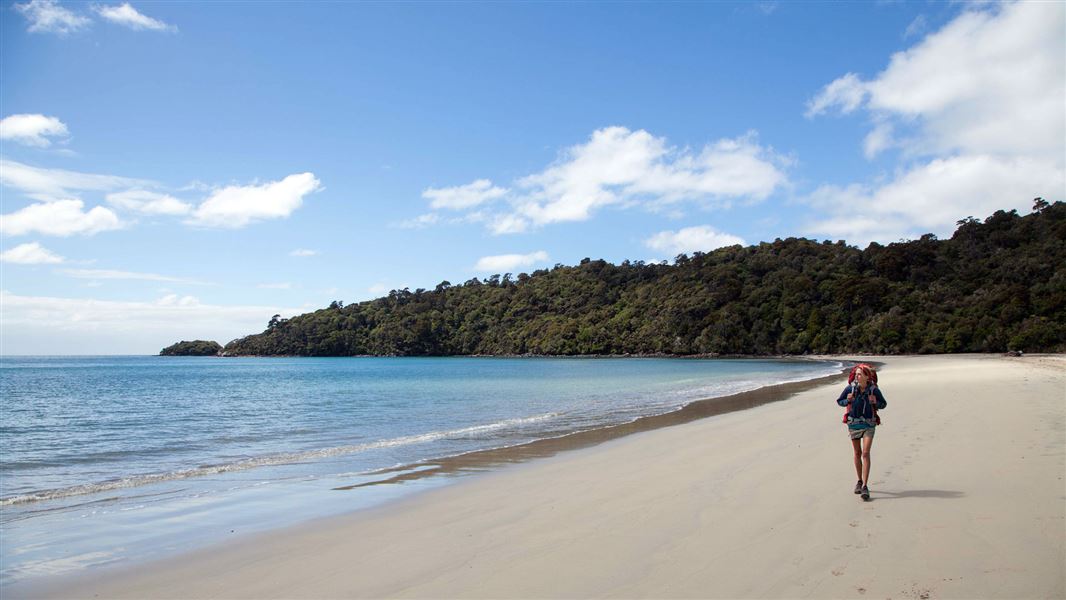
<point x="871" y="378"/>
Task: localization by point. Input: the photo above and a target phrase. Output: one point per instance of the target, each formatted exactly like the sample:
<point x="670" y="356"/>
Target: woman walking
<point x="863" y="399"/>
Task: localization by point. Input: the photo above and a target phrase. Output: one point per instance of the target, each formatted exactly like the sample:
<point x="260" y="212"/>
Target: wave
<point x="268" y="460"/>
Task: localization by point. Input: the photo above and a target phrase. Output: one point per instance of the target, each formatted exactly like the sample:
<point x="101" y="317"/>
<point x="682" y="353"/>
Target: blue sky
<point x="181" y="170"/>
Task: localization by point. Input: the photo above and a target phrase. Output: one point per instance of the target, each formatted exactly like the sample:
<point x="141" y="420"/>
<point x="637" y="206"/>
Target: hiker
<point x="863" y="399"/>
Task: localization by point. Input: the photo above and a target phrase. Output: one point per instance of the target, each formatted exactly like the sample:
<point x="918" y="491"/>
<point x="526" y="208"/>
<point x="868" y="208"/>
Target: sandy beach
<point x="968" y="500"/>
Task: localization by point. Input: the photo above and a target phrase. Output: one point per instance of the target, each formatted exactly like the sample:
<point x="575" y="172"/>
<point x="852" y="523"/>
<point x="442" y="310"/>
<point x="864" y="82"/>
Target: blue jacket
<point x="861" y="413"/>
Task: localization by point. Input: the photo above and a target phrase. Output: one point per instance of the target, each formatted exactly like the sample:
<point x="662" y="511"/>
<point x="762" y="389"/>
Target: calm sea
<point x="108" y="458"/>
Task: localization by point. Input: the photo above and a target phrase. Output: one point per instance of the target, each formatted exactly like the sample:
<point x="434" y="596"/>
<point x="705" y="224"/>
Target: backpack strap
<point x="847" y="407"/>
<point x="873" y="405"/>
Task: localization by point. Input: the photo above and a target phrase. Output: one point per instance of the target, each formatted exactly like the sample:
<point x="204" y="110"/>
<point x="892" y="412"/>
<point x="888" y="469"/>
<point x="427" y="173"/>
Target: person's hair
<point x="865" y="369"/>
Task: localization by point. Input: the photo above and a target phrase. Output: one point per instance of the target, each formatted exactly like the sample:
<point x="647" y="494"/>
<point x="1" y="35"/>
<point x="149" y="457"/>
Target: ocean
<point x="113" y="459"/>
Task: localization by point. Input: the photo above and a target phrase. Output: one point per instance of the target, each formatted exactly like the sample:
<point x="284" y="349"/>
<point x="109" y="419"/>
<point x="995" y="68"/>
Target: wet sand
<point x="968" y="500"/>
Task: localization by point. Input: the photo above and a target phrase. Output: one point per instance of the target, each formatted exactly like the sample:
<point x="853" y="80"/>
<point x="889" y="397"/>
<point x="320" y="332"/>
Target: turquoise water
<point x="106" y="458"/>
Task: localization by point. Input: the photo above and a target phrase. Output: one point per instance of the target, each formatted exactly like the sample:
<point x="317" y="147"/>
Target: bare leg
<point x="857" y="447"/>
<point x="867" y="443"/>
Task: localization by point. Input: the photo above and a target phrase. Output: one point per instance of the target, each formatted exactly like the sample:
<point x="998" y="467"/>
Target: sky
<point x="186" y="170"/>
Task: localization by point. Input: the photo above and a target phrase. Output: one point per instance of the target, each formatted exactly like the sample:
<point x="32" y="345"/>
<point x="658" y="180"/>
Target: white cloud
<point x="420" y="222"/>
<point x="463" y="196"/>
<point x="846" y="92"/>
<point x="50" y="325"/>
<point x="617" y="166"/>
<point x="932" y="197"/>
<point x="32" y="130"/>
<point x="47" y="16"/>
<point x="701" y="238"/>
<point x="976" y="108"/>
<point x="30" y="254"/>
<point x="58" y="184"/>
<point x="303" y="252"/>
<point x="112" y="274"/>
<point x="504" y="263"/>
<point x="379" y="289"/>
<point x="988" y="82"/>
<point x="879" y="139"/>
<point x="126" y="15"/>
<point x="274" y="286"/>
<point x="175" y="300"/>
<point x="237" y="206"/>
<point x="149" y="203"/>
<point x="231" y="207"/>
<point x="502" y="224"/>
<point x="62" y="217"/>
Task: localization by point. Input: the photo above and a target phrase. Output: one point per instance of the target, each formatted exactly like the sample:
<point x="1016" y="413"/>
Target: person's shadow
<point x="944" y="494"/>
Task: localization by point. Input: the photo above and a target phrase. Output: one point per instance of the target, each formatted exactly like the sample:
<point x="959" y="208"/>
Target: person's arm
<point x="880" y="398"/>
<point x="844" y="399"/>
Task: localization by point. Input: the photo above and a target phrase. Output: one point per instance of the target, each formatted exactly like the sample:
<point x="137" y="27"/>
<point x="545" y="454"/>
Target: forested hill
<point x="995" y="285"/>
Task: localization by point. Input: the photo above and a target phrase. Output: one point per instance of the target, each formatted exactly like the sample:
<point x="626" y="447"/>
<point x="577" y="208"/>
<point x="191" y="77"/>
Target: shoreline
<point x="481" y="460"/>
<point x="679" y="511"/>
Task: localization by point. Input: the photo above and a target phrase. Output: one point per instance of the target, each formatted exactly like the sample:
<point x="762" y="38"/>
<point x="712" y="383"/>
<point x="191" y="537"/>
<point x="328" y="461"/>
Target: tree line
<point x="995" y="285"/>
<point x="193" y="348"/>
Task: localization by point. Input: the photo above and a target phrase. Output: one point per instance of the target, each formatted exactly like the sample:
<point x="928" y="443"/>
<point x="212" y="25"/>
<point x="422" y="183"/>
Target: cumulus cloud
<point x="504" y="263"/>
<point x="990" y="81"/>
<point x="62" y="218"/>
<point x="930" y="198"/>
<point x="463" y="196"/>
<point x="618" y="166"/>
<point x="98" y="274"/>
<point x="30" y="254"/>
<point x="303" y="252"/>
<point x="621" y="167"/>
<point x="149" y="203"/>
<point x="47" y="16"/>
<point x="53" y="325"/>
<point x="975" y="107"/>
<point x="237" y="206"/>
<point x="32" y="129"/>
<point x="229" y="207"/>
<point x="701" y="238"/>
<point x="275" y="286"/>
<point x="127" y="16"/>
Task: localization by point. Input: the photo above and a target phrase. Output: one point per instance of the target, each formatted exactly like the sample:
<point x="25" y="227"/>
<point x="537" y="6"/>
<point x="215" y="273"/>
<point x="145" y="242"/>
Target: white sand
<point x="969" y="501"/>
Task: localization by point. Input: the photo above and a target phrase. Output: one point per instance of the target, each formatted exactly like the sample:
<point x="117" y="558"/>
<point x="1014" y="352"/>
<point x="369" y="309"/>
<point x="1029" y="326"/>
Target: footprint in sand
<point x="838" y="572"/>
<point x="853" y="524"/>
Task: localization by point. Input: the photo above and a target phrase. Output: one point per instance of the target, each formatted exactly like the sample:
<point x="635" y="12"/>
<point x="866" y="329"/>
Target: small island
<point x="193" y="348"/>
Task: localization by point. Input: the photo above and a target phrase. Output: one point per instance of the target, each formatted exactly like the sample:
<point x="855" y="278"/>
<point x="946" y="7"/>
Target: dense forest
<point x="996" y="285"/>
<point x="193" y="348"/>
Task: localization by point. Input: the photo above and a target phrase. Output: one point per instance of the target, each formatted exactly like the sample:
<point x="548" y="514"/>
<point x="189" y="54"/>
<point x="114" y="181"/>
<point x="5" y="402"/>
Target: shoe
<point x="865" y="493"/>
<point x="858" y="487"/>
